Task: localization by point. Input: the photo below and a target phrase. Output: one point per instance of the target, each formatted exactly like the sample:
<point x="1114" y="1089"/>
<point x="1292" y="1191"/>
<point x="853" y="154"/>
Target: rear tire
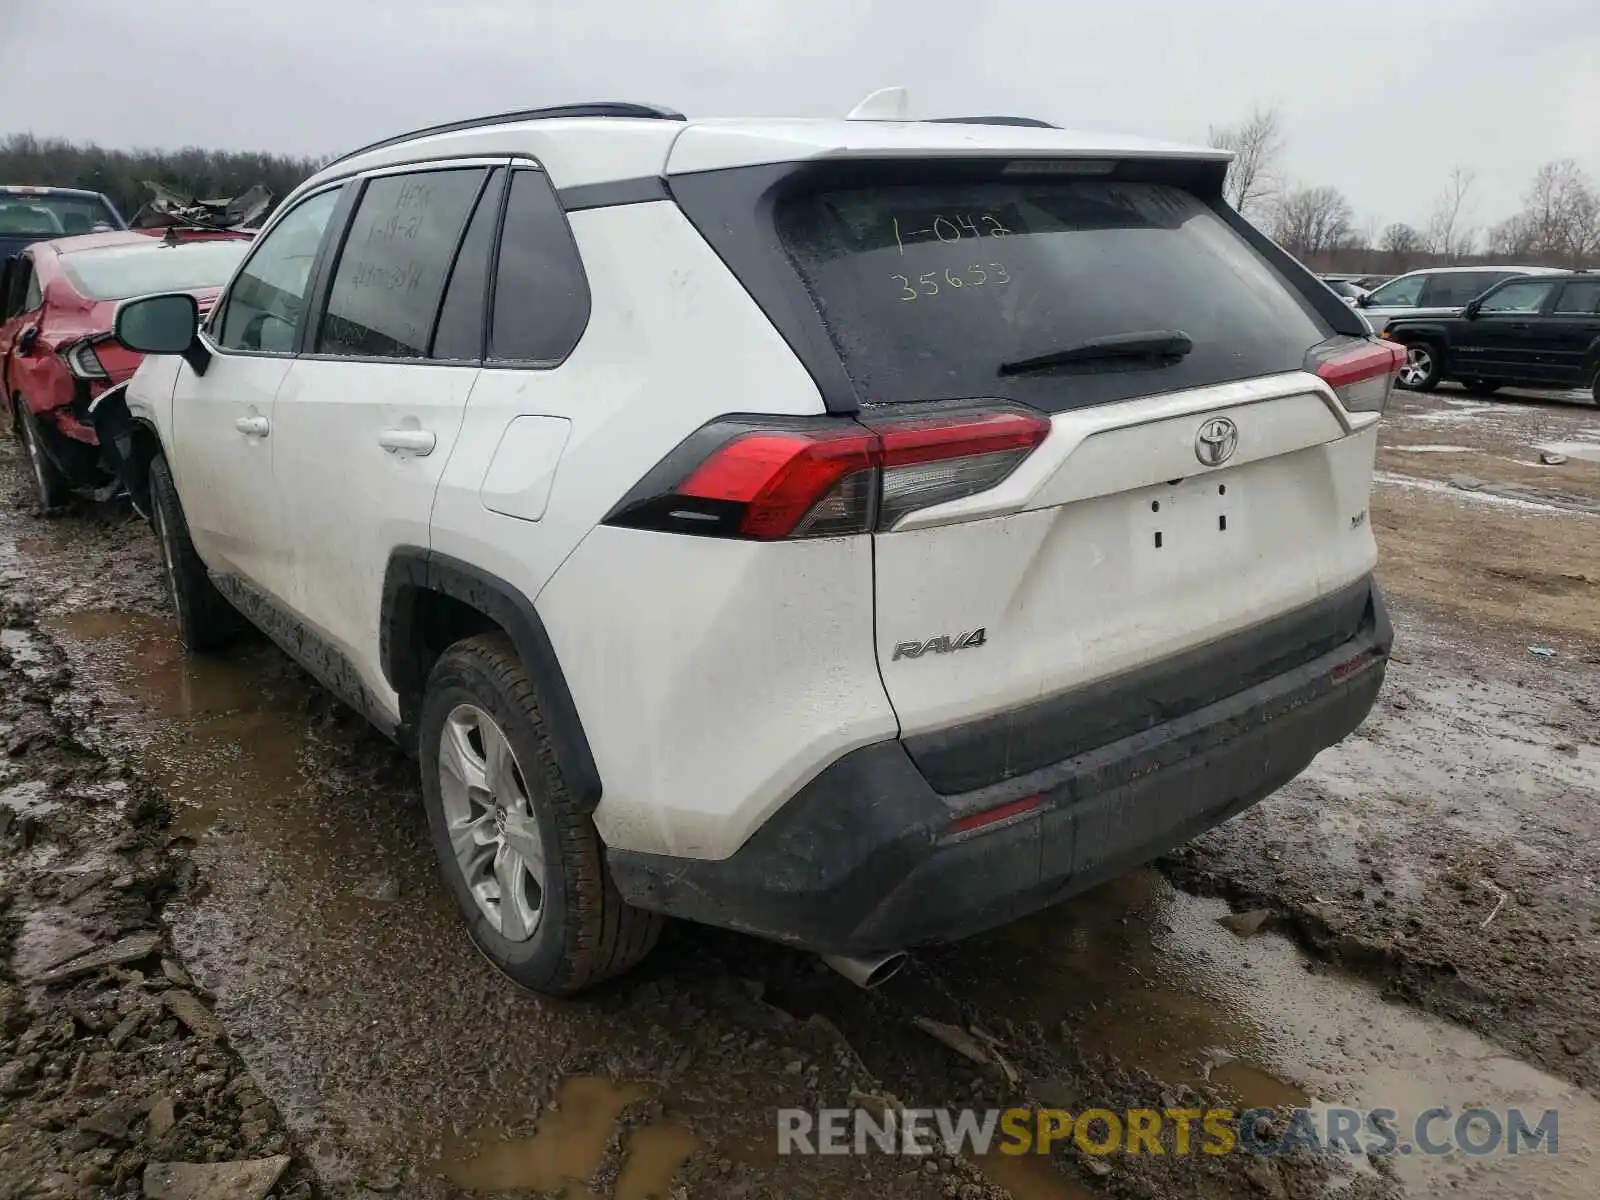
<point x="1423" y="368"/>
<point x="523" y="863"/>
<point x="1481" y="387"/>
<point x="49" y="483"/>
<point x="206" y="621"/>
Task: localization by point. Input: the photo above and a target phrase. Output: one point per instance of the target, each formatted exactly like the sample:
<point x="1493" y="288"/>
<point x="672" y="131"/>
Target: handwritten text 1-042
<point x="946" y="229"/>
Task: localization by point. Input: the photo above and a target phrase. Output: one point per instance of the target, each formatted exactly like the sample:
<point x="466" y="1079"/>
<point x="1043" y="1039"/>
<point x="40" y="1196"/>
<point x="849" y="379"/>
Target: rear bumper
<point x="863" y="859"/>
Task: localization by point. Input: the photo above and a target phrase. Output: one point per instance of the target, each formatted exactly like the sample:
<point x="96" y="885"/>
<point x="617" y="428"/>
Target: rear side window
<point x="1452" y="289"/>
<point x="541" y="298"/>
<point x="392" y="268"/>
<point x="928" y="289"/>
<point x="33" y="296"/>
<point x="1580" y="299"/>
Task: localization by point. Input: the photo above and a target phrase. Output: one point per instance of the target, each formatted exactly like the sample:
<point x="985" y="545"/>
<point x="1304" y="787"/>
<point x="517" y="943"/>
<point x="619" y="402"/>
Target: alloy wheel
<point x="1419" y="365"/>
<point x="492" y="827"/>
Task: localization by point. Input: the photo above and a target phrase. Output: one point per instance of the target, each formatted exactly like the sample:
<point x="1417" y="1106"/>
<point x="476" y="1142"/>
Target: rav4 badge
<point x="939" y="645"/>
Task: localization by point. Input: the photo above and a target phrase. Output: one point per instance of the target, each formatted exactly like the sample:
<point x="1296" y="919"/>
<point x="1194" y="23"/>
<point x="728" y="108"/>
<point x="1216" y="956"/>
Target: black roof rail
<point x="1024" y="122"/>
<point x="601" y="108"/>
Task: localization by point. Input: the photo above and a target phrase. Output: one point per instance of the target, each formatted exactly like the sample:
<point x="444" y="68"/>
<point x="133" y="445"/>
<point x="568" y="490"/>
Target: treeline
<point x="121" y="174"/>
<point x="1558" y="224"/>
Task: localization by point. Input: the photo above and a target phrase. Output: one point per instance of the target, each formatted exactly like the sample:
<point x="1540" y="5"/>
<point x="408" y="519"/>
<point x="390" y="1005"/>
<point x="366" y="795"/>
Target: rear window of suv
<point x="927" y="289"/>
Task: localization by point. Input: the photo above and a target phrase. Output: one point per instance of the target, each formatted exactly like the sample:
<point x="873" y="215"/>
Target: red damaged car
<point x="57" y="300"/>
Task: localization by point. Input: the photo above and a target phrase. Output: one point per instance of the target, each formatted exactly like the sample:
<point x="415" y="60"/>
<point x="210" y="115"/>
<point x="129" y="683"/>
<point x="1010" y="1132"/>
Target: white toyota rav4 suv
<point x="858" y="533"/>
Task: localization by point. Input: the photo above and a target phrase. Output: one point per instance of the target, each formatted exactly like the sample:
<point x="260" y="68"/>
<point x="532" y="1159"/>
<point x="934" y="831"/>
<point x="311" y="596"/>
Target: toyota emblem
<point x="1216" y="441"/>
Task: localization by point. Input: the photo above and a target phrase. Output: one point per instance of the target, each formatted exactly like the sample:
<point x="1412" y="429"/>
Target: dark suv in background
<point x="1540" y="331"/>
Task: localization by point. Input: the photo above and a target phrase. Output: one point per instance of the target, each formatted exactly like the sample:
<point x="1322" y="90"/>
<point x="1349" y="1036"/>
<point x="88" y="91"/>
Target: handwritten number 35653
<point x="927" y="284"/>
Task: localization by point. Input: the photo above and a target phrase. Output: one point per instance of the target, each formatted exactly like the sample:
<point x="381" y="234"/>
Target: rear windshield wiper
<point x="1156" y="345"/>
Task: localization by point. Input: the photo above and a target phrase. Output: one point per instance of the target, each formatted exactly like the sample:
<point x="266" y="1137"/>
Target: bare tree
<point x="1515" y="237"/>
<point x="1257" y="145"/>
<point x="1562" y="215"/>
<point x="1447" y="232"/>
<point x="1400" y="238"/>
<point x="1312" y="221"/>
<point x="1401" y="243"/>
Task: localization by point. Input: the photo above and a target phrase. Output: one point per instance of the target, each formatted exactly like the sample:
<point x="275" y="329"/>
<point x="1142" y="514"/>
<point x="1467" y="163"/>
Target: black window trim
<point x="340" y="216"/>
<point x="328" y="260"/>
<point x="533" y="364"/>
<point x="503" y="174"/>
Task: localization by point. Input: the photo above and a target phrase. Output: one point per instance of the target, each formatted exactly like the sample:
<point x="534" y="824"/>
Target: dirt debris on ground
<point x="105" y="1083"/>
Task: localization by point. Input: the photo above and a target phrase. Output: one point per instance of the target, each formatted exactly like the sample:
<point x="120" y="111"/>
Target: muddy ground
<point x="293" y="989"/>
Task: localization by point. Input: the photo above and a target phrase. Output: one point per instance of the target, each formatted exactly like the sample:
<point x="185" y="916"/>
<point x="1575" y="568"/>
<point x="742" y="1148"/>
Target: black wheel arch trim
<point x="413" y="572"/>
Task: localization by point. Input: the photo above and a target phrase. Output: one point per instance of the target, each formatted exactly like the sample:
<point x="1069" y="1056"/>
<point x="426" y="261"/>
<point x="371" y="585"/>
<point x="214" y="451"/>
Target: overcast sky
<point x="1380" y="98"/>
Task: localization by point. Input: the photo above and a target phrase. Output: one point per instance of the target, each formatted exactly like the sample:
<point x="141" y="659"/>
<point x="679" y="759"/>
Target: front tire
<point x="524" y="865"/>
<point x="1424" y="368"/>
<point x="48" y="481"/>
<point x="206" y="621"/>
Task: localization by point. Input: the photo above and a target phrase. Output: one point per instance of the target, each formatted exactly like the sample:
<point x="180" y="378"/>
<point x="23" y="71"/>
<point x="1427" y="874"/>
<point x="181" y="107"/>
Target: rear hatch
<point x="1190" y="476"/>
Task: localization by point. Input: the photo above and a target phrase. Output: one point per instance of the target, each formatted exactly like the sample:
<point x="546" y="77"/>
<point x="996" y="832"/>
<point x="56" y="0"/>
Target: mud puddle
<point x="569" y="1146"/>
<point x="1148" y="975"/>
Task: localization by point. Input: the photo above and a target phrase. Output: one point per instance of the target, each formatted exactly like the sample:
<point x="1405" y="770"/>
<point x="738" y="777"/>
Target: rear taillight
<point x="1361" y="373"/>
<point x="772" y="478"/>
<point x="83" y="362"/>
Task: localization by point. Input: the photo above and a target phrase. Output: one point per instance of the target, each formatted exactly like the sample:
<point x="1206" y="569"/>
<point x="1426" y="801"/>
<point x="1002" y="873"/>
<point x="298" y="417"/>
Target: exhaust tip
<point x="868" y="972"/>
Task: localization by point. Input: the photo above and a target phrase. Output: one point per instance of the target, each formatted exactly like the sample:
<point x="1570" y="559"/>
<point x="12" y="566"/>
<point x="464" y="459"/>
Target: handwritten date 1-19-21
<point x="950" y="229"/>
<point x="928" y="283"/>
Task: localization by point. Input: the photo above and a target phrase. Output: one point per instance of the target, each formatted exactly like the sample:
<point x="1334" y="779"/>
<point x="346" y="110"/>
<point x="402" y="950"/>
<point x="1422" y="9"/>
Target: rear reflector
<point x="825" y="477"/>
<point x="992" y="816"/>
<point x="1352" y="665"/>
<point x="1361" y="373"/>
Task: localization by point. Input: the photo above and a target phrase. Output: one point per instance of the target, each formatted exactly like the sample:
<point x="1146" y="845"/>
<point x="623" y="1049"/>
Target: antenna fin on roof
<point x="885" y="104"/>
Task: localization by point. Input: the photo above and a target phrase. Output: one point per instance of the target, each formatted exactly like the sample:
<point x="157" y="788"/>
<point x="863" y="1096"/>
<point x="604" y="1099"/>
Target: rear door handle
<point x="253" y="426"/>
<point x="417" y="441"/>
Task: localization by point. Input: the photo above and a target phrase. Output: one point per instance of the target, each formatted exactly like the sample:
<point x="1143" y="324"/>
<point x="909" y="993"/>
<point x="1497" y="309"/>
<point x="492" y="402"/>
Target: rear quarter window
<point x="541" y="295"/>
<point x="927" y="289"/>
